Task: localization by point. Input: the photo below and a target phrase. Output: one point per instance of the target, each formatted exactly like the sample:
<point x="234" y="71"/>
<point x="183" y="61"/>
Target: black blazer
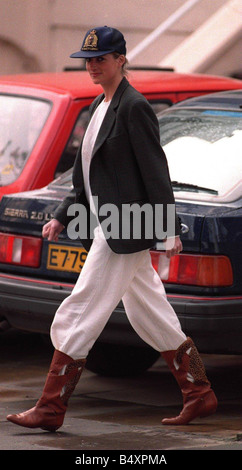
<point x="128" y="166"/>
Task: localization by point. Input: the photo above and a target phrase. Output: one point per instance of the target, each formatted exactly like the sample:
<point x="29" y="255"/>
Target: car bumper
<point x="215" y="323"/>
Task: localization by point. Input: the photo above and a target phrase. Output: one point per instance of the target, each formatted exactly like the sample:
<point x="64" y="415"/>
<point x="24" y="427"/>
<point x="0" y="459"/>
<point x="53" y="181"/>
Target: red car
<point x="43" y="117"/>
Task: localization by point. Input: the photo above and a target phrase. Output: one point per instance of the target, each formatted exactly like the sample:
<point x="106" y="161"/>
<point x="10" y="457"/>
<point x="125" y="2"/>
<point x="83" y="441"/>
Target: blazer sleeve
<point x="60" y="213"/>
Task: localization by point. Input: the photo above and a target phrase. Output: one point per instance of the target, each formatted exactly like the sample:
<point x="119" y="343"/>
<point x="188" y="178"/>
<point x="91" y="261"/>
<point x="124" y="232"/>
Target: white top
<point x="88" y="145"/>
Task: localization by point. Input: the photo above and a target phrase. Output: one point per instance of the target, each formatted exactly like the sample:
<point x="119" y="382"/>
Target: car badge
<point x="184" y="228"/>
<point x="91" y="41"/>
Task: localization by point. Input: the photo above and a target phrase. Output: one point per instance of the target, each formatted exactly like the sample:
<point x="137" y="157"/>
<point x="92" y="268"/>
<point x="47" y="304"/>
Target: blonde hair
<point x="124" y="66"/>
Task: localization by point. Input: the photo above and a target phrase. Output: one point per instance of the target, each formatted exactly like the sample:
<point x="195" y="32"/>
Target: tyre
<point x="120" y="361"/>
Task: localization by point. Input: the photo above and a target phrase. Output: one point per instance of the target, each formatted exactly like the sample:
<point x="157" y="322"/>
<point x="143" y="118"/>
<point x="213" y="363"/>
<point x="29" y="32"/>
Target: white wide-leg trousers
<point x="105" y="279"/>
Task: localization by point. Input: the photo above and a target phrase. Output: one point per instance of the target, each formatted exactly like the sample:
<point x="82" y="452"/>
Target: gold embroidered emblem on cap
<point x="91" y="42"/>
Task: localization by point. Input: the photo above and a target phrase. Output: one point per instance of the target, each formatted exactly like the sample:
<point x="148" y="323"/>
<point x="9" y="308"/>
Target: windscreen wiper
<point x="192" y="187"/>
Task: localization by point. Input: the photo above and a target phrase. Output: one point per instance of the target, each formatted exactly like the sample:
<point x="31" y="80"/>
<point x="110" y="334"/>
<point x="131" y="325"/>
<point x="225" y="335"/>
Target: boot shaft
<point x="186" y="365"/>
<point x="63" y="376"/>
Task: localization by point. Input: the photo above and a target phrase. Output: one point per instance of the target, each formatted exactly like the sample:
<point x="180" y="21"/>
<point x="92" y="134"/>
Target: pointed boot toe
<point x="194" y="408"/>
<point x="25" y="419"/>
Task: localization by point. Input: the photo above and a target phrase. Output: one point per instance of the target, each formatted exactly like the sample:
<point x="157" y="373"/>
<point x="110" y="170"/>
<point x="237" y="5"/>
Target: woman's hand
<point x="173" y="246"/>
<point x="52" y="229"/>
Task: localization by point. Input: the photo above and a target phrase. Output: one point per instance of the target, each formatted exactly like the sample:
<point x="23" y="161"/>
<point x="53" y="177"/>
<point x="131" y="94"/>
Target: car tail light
<point x="20" y="250"/>
<point x="196" y="270"/>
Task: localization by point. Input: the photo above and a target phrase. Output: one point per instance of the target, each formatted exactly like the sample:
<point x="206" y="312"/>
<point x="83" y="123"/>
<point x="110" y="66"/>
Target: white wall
<point x="39" y="35"/>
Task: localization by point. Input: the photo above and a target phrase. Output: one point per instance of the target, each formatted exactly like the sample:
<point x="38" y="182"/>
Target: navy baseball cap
<point x="100" y="41"/>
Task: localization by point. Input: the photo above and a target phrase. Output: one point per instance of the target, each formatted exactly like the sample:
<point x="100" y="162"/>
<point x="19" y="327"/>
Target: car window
<point x="21" y="122"/>
<point x="203" y="149"/>
<point x="159" y="106"/>
<point x="64" y="180"/>
<point x="68" y="156"/>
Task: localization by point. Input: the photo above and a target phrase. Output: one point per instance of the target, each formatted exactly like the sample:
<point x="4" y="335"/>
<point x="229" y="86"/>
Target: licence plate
<point x="66" y="258"/>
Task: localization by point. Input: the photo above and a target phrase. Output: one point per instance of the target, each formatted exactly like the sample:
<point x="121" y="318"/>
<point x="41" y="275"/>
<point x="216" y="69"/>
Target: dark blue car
<point x="202" y="138"/>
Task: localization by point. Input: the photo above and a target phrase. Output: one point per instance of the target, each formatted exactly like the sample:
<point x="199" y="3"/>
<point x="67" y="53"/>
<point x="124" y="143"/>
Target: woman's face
<point x="104" y="70"/>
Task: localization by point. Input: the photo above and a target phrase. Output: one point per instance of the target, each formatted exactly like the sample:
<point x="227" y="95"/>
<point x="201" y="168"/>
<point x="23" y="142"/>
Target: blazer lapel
<point x="105" y="129"/>
<point x="104" y="132"/>
<point x="110" y="116"/>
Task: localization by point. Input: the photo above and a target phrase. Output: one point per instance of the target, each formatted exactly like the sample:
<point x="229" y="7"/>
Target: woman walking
<point x="120" y="162"/>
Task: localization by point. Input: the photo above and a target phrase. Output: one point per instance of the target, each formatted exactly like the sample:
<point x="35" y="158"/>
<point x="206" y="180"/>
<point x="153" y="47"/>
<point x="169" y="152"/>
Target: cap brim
<point x="89" y="54"/>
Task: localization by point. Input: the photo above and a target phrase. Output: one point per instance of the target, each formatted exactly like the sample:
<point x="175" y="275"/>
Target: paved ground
<point x="113" y="414"/>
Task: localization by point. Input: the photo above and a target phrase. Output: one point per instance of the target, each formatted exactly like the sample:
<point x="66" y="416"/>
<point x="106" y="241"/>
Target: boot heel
<point x="210" y="407"/>
<point x="209" y="412"/>
<point x="50" y="429"/>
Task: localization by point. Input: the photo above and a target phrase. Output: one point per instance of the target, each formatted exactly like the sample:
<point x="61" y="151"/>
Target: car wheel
<point x="120" y="361"/>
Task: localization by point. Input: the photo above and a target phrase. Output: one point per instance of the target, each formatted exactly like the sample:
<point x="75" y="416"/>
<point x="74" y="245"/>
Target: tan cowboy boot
<point x="49" y="411"/>
<point x="199" y="399"/>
